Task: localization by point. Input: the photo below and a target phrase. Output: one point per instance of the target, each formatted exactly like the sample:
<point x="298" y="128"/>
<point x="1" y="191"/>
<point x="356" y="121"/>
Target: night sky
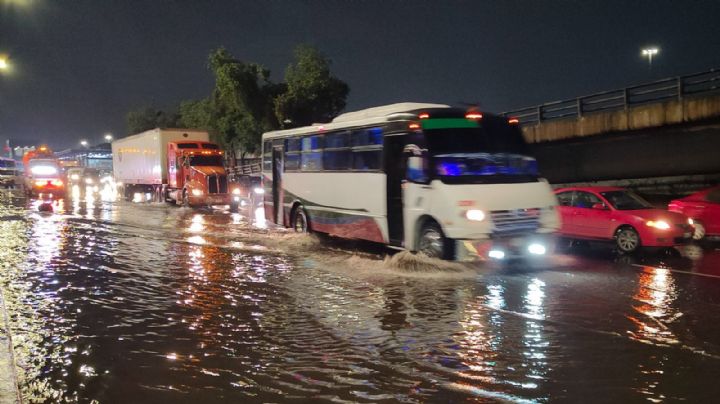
<point x="80" y="65"/>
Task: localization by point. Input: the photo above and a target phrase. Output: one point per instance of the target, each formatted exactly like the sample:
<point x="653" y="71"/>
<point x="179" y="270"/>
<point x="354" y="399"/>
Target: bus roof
<point x="367" y="116"/>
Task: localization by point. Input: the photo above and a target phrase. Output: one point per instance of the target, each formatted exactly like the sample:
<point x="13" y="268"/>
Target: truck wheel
<point x="300" y="220"/>
<point x="433" y="243"/>
<point x="185" y="199"/>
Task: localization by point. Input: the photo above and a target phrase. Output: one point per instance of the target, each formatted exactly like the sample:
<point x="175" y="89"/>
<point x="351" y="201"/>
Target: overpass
<point x="662" y="136"/>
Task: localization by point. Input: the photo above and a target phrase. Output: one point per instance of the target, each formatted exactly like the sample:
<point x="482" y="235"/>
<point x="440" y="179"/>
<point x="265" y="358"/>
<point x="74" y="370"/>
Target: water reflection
<point x="655" y="295"/>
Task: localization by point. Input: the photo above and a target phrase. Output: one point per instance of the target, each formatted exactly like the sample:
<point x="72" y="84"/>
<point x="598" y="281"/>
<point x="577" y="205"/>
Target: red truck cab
<point x="196" y="174"/>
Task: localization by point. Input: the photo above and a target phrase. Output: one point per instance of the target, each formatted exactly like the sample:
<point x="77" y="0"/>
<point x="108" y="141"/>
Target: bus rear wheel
<point x="300" y="221"/>
<point x="433" y="243"/>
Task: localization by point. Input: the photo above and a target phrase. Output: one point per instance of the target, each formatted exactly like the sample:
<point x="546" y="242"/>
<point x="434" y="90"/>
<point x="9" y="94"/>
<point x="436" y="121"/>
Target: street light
<point x="649" y="53"/>
<point x="84" y="143"/>
<point x="108" y="137"/>
<point x="4" y="65"/>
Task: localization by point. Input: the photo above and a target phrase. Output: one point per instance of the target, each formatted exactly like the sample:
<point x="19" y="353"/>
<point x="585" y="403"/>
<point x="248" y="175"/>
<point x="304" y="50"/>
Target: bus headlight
<point x="476" y="215"/>
<point x="197" y="192"/>
<point x="537" y="249"/>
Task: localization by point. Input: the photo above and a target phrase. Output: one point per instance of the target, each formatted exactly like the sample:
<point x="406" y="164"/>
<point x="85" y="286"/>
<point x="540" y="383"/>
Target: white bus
<point x="445" y="181"/>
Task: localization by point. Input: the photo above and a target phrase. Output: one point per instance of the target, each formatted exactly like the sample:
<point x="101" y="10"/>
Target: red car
<point x="703" y="207"/>
<point x="620" y="215"/>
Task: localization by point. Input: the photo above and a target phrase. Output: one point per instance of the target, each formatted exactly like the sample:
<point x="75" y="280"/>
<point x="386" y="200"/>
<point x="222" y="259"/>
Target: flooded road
<point x="121" y="302"/>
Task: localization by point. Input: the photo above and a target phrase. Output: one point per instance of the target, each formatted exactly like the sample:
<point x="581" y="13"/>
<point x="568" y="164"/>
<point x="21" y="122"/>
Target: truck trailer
<point x="175" y="165"/>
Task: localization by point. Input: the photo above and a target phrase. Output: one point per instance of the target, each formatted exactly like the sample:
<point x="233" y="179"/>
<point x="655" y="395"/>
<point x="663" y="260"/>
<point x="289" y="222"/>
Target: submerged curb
<point x="9" y="392"/>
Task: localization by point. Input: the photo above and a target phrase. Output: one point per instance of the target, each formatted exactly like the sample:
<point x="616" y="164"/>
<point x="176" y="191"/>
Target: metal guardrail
<point x="249" y="167"/>
<point x="662" y="90"/>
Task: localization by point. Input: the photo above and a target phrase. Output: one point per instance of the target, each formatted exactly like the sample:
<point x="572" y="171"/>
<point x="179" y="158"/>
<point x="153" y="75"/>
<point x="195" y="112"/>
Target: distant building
<point x="16" y="148"/>
<point x="99" y="157"/>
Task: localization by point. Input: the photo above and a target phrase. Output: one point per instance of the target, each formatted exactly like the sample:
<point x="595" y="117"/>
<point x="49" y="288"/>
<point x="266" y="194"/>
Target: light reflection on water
<point x="173" y="312"/>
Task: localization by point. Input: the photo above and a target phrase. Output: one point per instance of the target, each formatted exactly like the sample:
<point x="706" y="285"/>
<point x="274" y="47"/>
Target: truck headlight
<point x="236" y="191"/>
<point x="476" y="215"/>
<point x="197" y="192"/>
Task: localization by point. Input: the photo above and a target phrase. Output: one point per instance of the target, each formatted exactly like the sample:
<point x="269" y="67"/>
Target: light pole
<point x="649" y="52"/>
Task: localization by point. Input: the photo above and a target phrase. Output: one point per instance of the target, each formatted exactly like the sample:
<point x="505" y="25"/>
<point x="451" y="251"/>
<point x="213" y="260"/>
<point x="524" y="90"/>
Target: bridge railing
<point x="657" y="91"/>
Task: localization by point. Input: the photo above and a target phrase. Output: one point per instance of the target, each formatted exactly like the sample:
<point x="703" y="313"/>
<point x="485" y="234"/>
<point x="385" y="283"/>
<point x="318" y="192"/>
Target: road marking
<point x="678" y="271"/>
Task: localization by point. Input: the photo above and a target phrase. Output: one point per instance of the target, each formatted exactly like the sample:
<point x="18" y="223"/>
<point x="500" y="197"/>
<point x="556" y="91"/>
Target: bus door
<point x="416" y="190"/>
<point x="277" y="190"/>
<point x="395" y="172"/>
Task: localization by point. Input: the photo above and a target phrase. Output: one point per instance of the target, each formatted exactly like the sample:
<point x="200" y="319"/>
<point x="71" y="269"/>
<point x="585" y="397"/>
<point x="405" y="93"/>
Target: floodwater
<point x="127" y="302"/>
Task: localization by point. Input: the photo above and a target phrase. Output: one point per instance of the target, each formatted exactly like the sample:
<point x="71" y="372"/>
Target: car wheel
<point x="627" y="239"/>
<point x="300" y="220"/>
<point x="699" y="233"/>
<point x="433" y="243"/>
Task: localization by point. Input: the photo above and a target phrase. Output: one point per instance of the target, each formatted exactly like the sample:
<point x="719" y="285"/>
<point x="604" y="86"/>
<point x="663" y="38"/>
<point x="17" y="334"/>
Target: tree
<point x="241" y="102"/>
<point x="147" y="118"/>
<point x="313" y="94"/>
<point x="197" y="114"/>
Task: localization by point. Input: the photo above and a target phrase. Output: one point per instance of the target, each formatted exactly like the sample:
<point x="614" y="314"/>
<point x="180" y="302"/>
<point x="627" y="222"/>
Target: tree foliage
<point x="148" y="118"/>
<point x="241" y="101"/>
<point x="313" y="94"/>
<point x="244" y="102"/>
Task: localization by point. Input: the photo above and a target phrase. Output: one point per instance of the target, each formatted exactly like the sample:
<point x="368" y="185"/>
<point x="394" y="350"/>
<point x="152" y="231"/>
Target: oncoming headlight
<point x="236" y="191"/>
<point x="197" y="192"/>
<point x="475" y="215"/>
<point x="259" y="191"/>
<point x="691" y="222"/>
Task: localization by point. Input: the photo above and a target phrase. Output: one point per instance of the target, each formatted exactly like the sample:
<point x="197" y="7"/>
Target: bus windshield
<point x="491" y="151"/>
<point x="492" y="135"/>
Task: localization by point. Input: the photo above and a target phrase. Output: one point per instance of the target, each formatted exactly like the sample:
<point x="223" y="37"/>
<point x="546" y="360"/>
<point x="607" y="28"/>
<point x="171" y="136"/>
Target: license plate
<point x="516" y="242"/>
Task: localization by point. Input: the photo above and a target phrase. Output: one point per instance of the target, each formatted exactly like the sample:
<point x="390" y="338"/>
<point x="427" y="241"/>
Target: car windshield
<point x="626" y="200"/>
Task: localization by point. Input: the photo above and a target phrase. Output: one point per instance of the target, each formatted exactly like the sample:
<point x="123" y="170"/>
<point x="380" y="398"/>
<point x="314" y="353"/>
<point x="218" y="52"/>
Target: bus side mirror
<point x="416" y="170"/>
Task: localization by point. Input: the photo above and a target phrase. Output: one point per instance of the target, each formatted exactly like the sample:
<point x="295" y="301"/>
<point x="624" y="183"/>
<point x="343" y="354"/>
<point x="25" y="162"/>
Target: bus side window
<point x="416" y="170"/>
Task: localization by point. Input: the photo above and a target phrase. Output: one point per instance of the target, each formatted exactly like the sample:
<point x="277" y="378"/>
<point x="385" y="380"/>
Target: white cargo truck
<point x="177" y="165"/>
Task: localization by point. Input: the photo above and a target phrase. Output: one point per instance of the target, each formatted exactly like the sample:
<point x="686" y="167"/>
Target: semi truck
<point x="175" y="165"/>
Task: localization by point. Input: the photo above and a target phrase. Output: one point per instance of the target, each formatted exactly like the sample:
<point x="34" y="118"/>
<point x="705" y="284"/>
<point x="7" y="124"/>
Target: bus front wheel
<point x="433" y="243"/>
<point x="300" y="220"/>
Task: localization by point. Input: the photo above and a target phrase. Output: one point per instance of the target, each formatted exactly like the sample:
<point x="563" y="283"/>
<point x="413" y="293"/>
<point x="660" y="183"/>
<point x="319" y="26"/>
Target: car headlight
<point x="476" y="215"/>
<point x="236" y="191"/>
<point x="259" y="191"/>
<point x="658" y="224"/>
<point x="197" y="192"/>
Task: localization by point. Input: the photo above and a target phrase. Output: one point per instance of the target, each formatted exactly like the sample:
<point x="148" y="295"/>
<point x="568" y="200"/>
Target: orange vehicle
<point x="43" y="173"/>
<point x="177" y="165"/>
